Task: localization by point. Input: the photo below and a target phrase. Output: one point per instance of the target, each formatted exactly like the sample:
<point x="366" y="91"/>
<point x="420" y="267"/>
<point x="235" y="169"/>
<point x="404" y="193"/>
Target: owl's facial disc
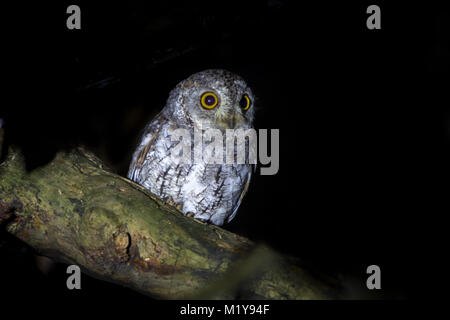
<point x="220" y="110"/>
<point x="212" y="99"/>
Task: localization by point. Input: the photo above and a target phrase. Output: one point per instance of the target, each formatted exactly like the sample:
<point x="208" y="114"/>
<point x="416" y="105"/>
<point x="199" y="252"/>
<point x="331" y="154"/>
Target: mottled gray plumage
<point x="209" y="192"/>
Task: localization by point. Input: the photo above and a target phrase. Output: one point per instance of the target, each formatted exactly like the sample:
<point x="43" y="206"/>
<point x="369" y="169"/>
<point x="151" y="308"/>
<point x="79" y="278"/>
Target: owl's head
<point x="212" y="98"/>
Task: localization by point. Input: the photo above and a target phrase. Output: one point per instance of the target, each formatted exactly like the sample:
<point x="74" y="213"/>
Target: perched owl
<point x="210" y="192"/>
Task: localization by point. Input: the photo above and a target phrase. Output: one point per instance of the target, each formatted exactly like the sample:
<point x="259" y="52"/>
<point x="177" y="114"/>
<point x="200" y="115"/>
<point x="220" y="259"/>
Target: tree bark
<point x="77" y="211"/>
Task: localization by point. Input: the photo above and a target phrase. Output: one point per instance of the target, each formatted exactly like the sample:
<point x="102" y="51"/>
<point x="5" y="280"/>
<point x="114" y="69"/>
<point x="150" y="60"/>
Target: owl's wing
<point x="243" y="192"/>
<point x="147" y="140"/>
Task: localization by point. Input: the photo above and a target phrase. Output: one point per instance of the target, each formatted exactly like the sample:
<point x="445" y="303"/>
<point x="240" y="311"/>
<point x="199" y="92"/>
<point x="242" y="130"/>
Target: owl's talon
<point x="200" y="221"/>
<point x="218" y="232"/>
<point x="192" y="215"/>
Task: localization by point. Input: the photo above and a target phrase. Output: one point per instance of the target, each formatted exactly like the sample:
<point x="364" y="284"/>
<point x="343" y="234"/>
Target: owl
<point x="206" y="190"/>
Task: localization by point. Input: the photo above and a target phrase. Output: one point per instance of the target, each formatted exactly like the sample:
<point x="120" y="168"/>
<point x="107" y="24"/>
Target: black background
<point x="351" y="105"/>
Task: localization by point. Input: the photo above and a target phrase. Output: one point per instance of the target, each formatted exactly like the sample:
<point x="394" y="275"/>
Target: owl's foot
<point x="218" y="232"/>
<point x="192" y="215"/>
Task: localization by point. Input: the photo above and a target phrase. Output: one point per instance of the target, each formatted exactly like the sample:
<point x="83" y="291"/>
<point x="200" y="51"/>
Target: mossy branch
<point x="76" y="211"/>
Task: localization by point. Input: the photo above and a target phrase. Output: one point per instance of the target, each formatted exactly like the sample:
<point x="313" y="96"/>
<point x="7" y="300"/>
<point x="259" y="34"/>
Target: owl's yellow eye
<point x="245" y="102"/>
<point x="209" y="100"/>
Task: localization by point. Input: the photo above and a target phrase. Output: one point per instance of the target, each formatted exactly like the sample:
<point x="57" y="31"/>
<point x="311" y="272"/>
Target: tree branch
<point x="76" y="211"/>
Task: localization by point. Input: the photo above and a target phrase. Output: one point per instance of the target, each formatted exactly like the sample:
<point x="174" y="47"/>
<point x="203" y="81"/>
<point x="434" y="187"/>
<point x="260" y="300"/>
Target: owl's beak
<point x="231" y="122"/>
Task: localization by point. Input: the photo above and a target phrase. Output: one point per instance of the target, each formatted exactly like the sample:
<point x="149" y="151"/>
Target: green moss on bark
<point x="75" y="210"/>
